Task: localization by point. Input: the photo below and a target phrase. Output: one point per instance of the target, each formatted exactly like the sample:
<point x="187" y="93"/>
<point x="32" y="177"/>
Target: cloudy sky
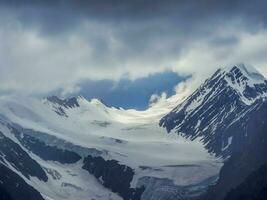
<point x="105" y="48"/>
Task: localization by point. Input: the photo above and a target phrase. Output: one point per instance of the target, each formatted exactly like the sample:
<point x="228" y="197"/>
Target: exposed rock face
<point x="250" y="158"/>
<point x="61" y="104"/>
<point x="67" y="103"/>
<point x="13" y="187"/>
<point x="113" y="175"/>
<point x="44" y="151"/>
<point x="254" y="187"/>
<point x="13" y="154"/>
<point x="4" y="194"/>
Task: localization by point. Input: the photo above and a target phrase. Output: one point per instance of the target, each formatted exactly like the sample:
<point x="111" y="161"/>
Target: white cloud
<point x="202" y="58"/>
<point x="35" y="63"/>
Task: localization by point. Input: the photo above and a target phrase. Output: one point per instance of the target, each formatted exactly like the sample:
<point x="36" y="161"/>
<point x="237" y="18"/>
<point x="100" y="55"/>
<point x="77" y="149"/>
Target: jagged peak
<point x="245" y="80"/>
<point x="222" y="100"/>
<point x="244" y="72"/>
<point x="68" y="102"/>
<point x="72" y="102"/>
<point x="244" y="67"/>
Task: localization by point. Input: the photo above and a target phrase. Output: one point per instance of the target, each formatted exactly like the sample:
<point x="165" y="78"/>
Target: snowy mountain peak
<point x="245" y="68"/>
<point x="249" y="69"/>
<point x="242" y="72"/>
<point x="219" y="102"/>
<point x="244" y="80"/>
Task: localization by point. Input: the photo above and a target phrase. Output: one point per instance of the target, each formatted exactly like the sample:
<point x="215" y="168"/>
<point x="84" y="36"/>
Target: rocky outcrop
<point x="14" y="155"/>
<point x="254" y="187"/>
<point x="13" y="187"/>
<point x="44" y="151"/>
<point x="114" y="176"/>
<point x="250" y="158"/>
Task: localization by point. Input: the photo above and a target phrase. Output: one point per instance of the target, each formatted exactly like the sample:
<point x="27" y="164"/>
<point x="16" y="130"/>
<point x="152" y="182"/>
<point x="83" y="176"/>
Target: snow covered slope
<point x="214" y="110"/>
<point x="88" y="149"/>
<point x="74" y="148"/>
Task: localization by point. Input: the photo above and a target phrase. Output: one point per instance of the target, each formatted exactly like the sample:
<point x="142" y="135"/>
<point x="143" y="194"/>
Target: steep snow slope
<point x="212" y="110"/>
<point x="133" y="138"/>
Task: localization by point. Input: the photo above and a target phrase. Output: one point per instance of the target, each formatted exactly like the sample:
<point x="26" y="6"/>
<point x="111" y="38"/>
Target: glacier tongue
<point x="129" y="137"/>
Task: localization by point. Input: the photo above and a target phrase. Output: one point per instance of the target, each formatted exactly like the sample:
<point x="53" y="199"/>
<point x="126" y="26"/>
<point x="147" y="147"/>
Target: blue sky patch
<point x="126" y="93"/>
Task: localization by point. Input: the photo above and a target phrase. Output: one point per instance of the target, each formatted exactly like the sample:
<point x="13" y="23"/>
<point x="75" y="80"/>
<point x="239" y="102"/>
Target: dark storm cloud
<point x="67" y="41"/>
<point x="137" y="24"/>
<point x="55" y="16"/>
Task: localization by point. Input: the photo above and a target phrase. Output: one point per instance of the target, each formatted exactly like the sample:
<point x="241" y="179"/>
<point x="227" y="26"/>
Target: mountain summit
<point x="216" y="106"/>
<point x="246" y="81"/>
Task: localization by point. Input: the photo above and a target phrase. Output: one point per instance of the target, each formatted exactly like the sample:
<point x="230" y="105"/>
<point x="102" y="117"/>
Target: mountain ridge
<point x="215" y="106"/>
